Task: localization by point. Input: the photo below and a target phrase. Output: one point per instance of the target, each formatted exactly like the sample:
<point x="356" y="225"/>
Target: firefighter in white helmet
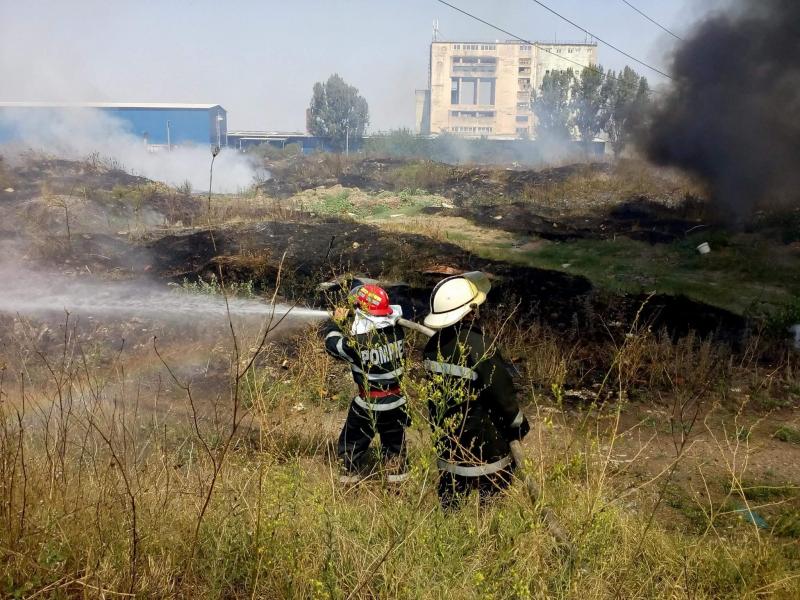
<point x="471" y="398"/>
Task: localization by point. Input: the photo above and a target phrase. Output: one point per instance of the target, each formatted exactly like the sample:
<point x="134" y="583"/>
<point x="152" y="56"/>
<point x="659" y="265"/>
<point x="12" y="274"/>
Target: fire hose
<point x="408" y="325"/>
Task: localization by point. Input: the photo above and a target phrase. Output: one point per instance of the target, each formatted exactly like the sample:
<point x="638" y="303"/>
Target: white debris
<point x="795" y="331"/>
<point x="9" y="189"/>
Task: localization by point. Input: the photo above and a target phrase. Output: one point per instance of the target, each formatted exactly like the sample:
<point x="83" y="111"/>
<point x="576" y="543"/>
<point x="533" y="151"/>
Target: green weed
<point x="785" y="433"/>
<point x="212" y="287"/>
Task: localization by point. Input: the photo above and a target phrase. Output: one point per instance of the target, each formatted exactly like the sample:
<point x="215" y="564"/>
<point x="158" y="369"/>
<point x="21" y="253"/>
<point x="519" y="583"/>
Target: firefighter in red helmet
<point x="372" y="343"/>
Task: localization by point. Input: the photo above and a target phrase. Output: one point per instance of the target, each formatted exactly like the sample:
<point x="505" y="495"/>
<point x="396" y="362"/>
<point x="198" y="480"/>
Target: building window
<point x="474" y="114"/>
<point x="473" y="60"/>
<point x="522" y="118"/>
<point x="456" y="46"/>
<point x="468" y="90"/>
<point x="472" y="90"/>
<point x="486" y="91"/>
<point x="483" y="64"/>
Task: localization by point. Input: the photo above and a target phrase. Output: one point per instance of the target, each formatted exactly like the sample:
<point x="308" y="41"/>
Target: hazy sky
<point x="260" y="59"/>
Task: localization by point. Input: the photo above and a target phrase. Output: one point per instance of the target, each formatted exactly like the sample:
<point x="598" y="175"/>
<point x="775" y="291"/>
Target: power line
<point x="537" y="45"/>
<point x="599" y="39"/>
<point x="675" y="35"/>
<point x="516" y="37"/>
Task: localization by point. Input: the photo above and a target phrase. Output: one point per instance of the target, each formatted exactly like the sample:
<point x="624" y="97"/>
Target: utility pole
<point x="169" y="143"/>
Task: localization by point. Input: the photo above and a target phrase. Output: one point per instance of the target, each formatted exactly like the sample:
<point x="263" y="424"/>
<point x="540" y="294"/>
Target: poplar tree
<point x="588" y="102"/>
<point x="336" y="111"/>
<point x="552" y="108"/>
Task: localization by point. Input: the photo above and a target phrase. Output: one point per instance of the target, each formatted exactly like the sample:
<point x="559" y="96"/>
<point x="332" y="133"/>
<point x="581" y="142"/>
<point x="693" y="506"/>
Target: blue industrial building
<point x="156" y="124"/>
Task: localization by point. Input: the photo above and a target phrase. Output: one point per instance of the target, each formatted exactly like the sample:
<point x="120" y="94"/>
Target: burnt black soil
<point x="96" y="187"/>
<point x="639" y="219"/>
<point x="500" y="191"/>
<point x="65" y="176"/>
<point x="459" y="183"/>
<point x="318" y="251"/>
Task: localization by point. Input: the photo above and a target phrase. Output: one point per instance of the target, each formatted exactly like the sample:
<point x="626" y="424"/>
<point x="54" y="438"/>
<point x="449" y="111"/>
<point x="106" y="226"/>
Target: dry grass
<point x="99" y="495"/>
<point x="589" y="189"/>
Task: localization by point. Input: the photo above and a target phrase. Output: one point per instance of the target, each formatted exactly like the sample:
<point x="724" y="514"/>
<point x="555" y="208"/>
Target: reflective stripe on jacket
<point x="473" y="405"/>
<point x="376" y="360"/>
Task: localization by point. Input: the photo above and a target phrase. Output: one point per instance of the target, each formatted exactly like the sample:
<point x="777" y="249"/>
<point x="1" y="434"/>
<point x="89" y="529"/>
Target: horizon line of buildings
<point x="475" y="90"/>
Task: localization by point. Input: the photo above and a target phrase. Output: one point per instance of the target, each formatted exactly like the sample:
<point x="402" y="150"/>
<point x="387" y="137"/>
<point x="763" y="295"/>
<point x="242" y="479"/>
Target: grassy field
<point x="744" y="273"/>
<point x="237" y="496"/>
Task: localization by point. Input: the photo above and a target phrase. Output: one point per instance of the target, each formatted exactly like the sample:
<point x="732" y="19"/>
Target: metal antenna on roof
<point x="436" y="30"/>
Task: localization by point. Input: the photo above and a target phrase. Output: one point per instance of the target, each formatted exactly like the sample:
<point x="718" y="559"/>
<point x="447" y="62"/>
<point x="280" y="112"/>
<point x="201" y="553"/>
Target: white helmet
<point x="453" y="298"/>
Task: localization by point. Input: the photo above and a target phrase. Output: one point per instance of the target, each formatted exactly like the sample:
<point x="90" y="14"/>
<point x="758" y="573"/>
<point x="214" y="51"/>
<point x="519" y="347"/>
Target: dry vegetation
<point x="670" y="461"/>
<point x="101" y="495"/>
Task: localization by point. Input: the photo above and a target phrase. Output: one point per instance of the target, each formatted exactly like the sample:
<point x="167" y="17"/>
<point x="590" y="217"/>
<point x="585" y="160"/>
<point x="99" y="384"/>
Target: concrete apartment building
<point x="484" y="89"/>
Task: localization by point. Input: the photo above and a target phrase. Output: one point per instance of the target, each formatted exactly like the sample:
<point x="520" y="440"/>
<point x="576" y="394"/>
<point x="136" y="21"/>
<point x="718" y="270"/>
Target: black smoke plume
<point x="733" y="114"/>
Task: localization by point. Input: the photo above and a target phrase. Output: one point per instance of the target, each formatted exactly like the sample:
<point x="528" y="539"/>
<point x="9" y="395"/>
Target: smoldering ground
<point x="733" y="113"/>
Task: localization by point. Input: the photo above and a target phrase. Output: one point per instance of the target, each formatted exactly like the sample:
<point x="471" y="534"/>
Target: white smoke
<point x="75" y="133"/>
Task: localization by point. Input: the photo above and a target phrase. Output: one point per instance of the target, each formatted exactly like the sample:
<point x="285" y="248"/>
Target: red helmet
<point x="373" y="300"/>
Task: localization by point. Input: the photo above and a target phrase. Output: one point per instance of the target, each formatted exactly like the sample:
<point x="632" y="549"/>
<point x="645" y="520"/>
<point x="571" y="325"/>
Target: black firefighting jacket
<point x="472" y="402"/>
<point x="376" y="358"/>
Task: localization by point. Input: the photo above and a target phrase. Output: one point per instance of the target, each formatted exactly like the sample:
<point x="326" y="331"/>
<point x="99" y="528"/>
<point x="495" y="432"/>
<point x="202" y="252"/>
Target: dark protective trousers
<point x="361" y="426"/>
<point x="453" y="489"/>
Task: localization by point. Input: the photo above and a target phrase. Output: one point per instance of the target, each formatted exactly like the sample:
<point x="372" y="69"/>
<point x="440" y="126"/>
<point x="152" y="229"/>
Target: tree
<point x="587" y="103"/>
<point x="337" y="111"/>
<point x="626" y="103"/>
<point x="551" y="107"/>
